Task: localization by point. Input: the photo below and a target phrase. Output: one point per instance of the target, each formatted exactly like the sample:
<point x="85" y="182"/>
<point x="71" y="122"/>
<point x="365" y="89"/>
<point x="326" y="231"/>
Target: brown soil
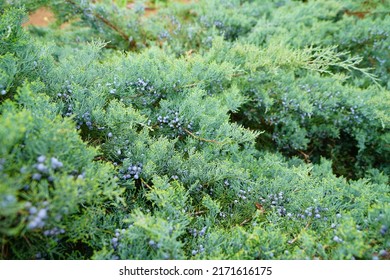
<point x="43" y="16"/>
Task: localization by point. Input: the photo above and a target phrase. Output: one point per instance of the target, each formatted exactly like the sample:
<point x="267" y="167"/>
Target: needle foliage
<point x="206" y="130"/>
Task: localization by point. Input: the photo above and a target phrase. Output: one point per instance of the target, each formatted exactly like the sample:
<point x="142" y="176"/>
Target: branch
<point x="200" y="138"/>
<point x="306" y="156"/>
<point x="299" y="235"/>
<point x="197" y="213"/>
<point x="191" y="85"/>
<point x="244" y="222"/>
<point x="109" y="24"/>
<point x="146" y="184"/>
<point x="116" y="28"/>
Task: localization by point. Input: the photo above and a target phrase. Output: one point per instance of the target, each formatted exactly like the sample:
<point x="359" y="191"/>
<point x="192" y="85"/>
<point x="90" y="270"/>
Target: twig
<point x="28" y="241"/>
<point x="190" y="85"/>
<point x="306" y="156"/>
<point x="99" y="157"/>
<point x="109" y="24"/>
<point x="238" y="74"/>
<point x="146" y="184"/>
<point x="299" y="235"/>
<point x="117" y="29"/>
<point x="197" y="213"/>
<point x="3" y="249"/>
<point x="244" y="222"/>
<point x="200" y="138"/>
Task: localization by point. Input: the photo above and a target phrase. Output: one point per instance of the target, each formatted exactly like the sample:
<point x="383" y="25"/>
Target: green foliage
<point x="255" y="130"/>
<point x="48" y="179"/>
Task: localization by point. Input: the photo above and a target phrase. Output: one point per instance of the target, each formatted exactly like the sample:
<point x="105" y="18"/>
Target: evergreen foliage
<point x="209" y="130"/>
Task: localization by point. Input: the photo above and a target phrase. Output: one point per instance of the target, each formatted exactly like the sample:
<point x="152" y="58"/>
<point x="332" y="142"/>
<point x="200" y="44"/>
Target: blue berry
<point x="114" y="242"/>
<point x="33" y="224"/>
<point x="337" y="239"/>
<point x="41" y="159"/>
<point x="36" y="176"/>
<point x="41" y="168"/>
<point x="33" y="210"/>
<point x="383" y="253"/>
<point x="55" y="163"/>
<point x="42" y="214"/>
<point x="203" y="231"/>
<point x="384" y="229"/>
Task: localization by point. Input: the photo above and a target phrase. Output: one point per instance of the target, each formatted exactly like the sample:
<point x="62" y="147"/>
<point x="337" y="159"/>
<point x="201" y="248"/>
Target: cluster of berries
<point x="132" y="172"/>
<point x="42" y="167"/>
<point x="67" y="91"/>
<point x="243" y="194"/>
<point x="176" y="123"/>
<point x="113" y="86"/>
<point x="37" y="216"/>
<point x="277" y="202"/>
<point x="154" y="244"/>
<point x="316" y="212"/>
<point x="115" y="240"/>
<point x="164" y="35"/>
<point x="54" y="231"/>
<point x="65" y="95"/>
<point x="196" y="251"/>
<point x="194" y="232"/>
<point x="85" y="119"/>
<point x="146" y="90"/>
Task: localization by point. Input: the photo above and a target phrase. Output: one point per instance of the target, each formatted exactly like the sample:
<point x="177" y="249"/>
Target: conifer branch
<point x="244" y="222"/>
<point x="306" y="156"/>
<point x="200" y="138"/>
<point x="146" y="184"/>
<point x="197" y="213"/>
<point x="27" y="241"/>
<point x="299" y="235"/>
<point x="190" y="85"/>
<point x="132" y="43"/>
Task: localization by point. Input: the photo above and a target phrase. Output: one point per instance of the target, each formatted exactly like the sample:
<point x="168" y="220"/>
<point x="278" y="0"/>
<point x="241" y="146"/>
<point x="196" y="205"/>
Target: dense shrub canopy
<point x="206" y="130"/>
